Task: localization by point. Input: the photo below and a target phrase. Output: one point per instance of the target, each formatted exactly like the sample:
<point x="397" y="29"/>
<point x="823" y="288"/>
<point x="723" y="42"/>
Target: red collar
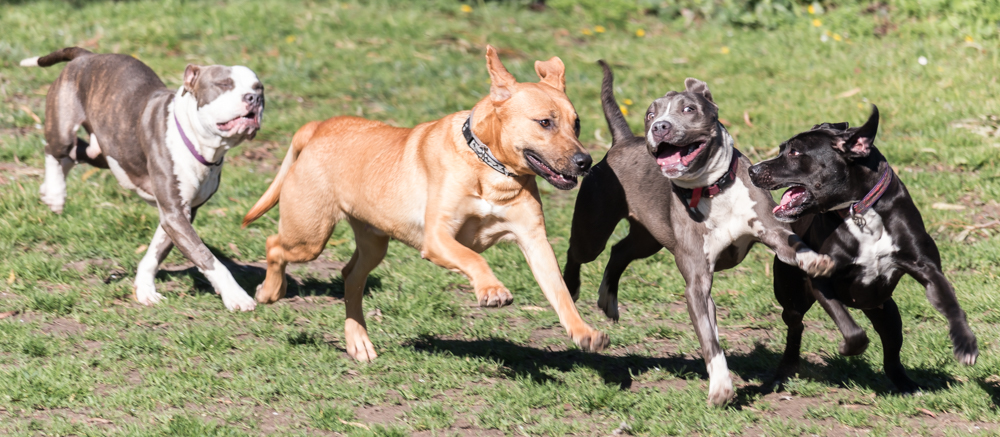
<point x="859" y="208"/>
<point x="692" y="196"/>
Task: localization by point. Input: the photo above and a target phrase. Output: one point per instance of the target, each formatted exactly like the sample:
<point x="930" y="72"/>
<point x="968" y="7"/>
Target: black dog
<point x="685" y="187"/>
<point x="846" y="201"/>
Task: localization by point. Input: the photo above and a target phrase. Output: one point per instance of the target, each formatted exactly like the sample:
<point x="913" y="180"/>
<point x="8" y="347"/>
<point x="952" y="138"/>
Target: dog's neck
<point x="210" y="146"/>
<point x="716" y="167"/>
<point x="863" y="175"/>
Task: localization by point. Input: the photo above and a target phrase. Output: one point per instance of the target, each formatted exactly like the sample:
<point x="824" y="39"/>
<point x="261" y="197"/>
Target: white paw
<point x="815" y="265"/>
<point x="147" y="295"/>
<point x="238" y="300"/>
<point x="720" y="390"/>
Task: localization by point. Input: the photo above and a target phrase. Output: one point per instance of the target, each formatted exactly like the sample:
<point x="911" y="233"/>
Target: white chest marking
<point x="728" y="217"/>
<point x="875" y="247"/>
<point x="126" y="182"/>
<point x="486" y="209"/>
<point x="195" y="181"/>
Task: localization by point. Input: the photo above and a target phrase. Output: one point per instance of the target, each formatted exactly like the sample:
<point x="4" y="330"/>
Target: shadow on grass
<point x="250" y="275"/>
<point x="758" y="364"/>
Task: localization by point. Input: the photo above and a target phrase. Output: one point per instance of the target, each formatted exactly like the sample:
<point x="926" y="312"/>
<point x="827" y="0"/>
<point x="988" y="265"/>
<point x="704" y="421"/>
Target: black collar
<point x="481" y="150"/>
<point x="692" y="196"/>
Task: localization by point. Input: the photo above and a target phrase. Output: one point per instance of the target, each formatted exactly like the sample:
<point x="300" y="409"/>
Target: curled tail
<point x="612" y="112"/>
<point x="64" y="55"/>
<point x="270" y="197"/>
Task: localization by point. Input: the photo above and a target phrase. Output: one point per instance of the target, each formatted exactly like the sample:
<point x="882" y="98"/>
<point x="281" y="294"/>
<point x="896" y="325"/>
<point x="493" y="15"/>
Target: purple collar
<point x="194" y="152"/>
<point x="859" y="208"/>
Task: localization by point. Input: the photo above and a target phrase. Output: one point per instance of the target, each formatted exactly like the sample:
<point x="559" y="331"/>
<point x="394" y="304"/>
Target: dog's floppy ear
<point x="191" y="74"/>
<point x="502" y="82"/>
<point x="552" y="73"/>
<point x="698" y="87"/>
<point x="860" y="143"/>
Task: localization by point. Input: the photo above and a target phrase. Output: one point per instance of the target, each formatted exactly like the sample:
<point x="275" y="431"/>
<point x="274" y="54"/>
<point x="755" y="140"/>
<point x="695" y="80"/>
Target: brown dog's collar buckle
<point x="480" y="149"/>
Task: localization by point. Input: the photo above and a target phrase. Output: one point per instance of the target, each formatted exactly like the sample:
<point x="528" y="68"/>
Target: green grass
<point x="80" y="357"/>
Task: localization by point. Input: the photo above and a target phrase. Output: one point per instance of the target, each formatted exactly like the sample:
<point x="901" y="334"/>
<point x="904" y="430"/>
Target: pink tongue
<point x="791" y="198"/>
<point x="669" y="157"/>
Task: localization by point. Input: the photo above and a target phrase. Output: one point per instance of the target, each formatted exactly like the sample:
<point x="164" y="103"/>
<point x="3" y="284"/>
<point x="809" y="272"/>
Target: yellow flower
<point x="290" y="39"/>
<point x="861" y="105"/>
<point x="599" y="29"/>
<point x="724" y="50"/>
<point x="466" y="8"/>
<point x="836" y="37"/>
<point x="968" y="39"/>
<point x="627" y="101"/>
<point x="587" y="32"/>
<point x="811" y="9"/>
<point x="817" y="23"/>
<point x="640" y="33"/>
<point x="624" y="109"/>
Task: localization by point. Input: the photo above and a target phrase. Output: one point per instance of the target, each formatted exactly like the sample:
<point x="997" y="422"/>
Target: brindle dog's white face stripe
<point x="230" y="100"/>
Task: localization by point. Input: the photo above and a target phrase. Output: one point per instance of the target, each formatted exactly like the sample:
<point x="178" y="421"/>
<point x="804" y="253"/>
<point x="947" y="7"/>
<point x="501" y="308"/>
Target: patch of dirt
<point x="87" y="265"/>
<point x="64" y="326"/>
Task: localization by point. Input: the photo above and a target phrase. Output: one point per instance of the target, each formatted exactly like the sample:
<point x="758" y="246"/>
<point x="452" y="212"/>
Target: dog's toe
<point x="609" y="304"/>
<point x="854" y="345"/>
<point x="593" y="341"/>
<point x="148" y="297"/>
<point x="967" y="355"/>
<point x="721" y="393"/>
<point x="494" y="297"/>
<point x="816" y="265"/>
<point x="239" y="303"/>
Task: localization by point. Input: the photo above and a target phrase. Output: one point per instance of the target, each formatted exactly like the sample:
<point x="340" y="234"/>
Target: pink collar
<point x="858" y="208"/>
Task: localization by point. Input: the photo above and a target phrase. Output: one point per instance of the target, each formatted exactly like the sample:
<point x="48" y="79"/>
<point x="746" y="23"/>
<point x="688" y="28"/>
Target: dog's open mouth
<point x="541" y="168"/>
<point x="244" y="123"/>
<point x="793" y="202"/>
<point x="673" y="160"/>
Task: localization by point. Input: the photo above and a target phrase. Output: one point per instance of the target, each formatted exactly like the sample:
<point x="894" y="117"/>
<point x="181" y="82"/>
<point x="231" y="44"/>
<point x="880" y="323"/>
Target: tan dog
<point x="430" y="188"/>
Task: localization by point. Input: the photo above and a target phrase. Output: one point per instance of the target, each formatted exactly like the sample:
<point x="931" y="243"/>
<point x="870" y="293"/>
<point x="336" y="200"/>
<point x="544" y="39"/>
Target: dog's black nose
<point x="252" y="98"/>
<point x="754" y="169"/>
<point x="583" y="161"/>
<point x="662" y="128"/>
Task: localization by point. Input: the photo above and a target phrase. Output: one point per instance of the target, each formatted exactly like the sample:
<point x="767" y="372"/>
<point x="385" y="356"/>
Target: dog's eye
<point x="576" y="127"/>
<point x="649" y="116"/>
<point x="793" y="152"/>
<point x="546" y="123"/>
<point x="688" y="109"/>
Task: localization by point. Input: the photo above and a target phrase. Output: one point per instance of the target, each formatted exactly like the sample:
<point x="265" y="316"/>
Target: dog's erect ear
<point x="833" y="126"/>
<point x="502" y="82"/>
<point x="191" y="74"/>
<point x="859" y="144"/>
<point x="552" y="73"/>
<point x="698" y="87"/>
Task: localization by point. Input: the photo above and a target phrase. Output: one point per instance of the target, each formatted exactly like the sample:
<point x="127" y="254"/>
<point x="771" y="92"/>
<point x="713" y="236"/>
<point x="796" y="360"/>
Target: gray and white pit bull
<point x="683" y="186"/>
<point x="167" y="146"/>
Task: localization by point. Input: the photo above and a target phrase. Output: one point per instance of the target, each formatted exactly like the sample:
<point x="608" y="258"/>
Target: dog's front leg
<point x="701" y="308"/>
<point x="175" y="220"/>
<point x="791" y="250"/>
<point x="531" y="237"/>
<point x="441" y="248"/>
<point x="942" y="296"/>
<point x="855" y="339"/>
<point x="145" y="287"/>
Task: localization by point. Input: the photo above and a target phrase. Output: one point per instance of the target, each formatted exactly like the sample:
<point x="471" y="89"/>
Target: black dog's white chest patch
<point x="875" y="246"/>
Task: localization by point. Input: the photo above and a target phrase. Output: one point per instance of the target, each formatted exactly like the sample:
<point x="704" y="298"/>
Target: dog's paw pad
<point x="494" y="297"/>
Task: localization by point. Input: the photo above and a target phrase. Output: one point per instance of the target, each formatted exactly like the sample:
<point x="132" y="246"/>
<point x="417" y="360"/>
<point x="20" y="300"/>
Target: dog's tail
<point x="612" y="112"/>
<point x="270" y="197"/>
<point x="64" y="55"/>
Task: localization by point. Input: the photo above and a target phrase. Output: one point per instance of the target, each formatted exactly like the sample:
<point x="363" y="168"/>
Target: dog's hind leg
<point x="889" y="326"/>
<point x="639" y="243"/>
<point x="371" y="249"/>
<point x="855" y="339"/>
<point x="600" y="205"/>
<point x="792" y="292"/>
<point x="942" y="296"/>
<point x="307" y="220"/>
<point x="63" y="117"/>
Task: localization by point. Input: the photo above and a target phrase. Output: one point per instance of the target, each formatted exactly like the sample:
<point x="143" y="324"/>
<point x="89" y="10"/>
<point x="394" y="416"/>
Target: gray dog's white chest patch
<point x="728" y="217"/>
<point x="875" y="247"/>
